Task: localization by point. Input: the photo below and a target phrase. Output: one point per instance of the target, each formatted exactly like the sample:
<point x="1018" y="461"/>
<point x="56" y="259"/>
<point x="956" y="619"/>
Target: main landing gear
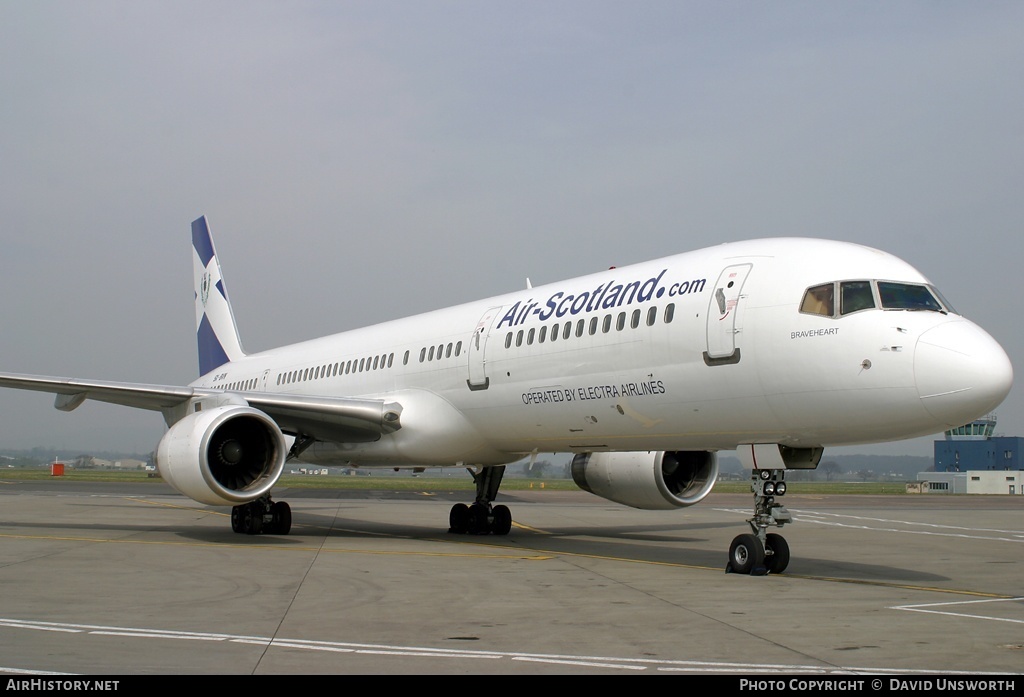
<point x="262" y="516"/>
<point x="760" y="552"/>
<point x="480" y="518"/>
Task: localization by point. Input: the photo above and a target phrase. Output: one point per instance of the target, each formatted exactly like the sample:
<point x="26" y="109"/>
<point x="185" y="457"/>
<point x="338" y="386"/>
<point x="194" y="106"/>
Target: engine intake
<point x="648" y="480"/>
<point x="223" y="456"/>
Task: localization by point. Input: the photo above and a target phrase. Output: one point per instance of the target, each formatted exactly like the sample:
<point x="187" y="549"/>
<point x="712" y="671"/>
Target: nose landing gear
<point x="760" y="552"/>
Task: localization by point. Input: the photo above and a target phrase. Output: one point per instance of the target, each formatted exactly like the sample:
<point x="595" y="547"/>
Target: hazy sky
<point x="361" y="161"/>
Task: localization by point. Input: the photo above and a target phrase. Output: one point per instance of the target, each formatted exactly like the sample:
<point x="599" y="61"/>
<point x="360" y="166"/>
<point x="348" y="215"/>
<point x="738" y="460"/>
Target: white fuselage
<point x="705" y="350"/>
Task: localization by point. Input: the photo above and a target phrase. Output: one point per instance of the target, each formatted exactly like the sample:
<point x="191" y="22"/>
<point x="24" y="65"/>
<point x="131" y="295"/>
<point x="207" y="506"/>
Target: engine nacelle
<point x="647" y="480"/>
<point x="223" y="456"/>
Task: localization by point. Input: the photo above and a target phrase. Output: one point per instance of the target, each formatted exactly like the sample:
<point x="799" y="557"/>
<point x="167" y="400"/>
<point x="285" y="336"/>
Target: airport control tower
<point x="974" y="447"/>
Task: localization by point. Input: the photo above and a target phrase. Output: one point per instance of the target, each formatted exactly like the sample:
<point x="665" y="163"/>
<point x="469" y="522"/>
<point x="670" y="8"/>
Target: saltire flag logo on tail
<point x="216" y="331"/>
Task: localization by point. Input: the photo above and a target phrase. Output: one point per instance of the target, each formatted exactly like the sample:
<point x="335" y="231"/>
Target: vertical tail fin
<point x="216" y="330"/>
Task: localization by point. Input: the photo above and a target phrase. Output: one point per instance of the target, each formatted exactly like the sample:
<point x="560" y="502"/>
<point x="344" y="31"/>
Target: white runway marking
<point x="908" y="527"/>
<point x="930" y="609"/>
<point x="22" y="671"/>
<point x="617" y="663"/>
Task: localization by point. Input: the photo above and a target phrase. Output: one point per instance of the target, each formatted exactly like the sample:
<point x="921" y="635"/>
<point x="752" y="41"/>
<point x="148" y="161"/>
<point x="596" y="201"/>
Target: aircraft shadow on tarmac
<point x="685" y="544"/>
<point x="682" y="544"/>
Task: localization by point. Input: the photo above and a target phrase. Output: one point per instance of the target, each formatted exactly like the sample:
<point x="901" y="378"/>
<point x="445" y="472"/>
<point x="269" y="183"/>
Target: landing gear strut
<point x="760" y="552"/>
<point x="262" y="516"/>
<point x="480" y="517"/>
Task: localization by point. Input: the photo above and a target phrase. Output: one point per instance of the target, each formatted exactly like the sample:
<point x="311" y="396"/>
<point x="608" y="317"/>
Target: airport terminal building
<point x="971" y="460"/>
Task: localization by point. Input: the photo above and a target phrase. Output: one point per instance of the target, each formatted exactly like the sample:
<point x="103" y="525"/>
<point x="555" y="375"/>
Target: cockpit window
<point x="855" y="296"/>
<point x="819" y="300"/>
<point x="945" y="303"/>
<point x="907" y="296"/>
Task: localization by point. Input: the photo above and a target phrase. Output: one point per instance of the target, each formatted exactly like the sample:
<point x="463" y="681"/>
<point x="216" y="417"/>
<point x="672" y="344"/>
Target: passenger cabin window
<point x="819" y="300"/>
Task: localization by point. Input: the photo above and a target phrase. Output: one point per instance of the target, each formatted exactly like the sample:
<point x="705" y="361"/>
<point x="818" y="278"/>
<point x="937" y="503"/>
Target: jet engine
<point x="224" y="456"/>
<point x="647" y="480"/>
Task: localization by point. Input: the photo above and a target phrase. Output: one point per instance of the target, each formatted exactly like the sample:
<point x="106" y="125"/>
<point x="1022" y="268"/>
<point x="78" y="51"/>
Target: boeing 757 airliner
<point x="774" y="348"/>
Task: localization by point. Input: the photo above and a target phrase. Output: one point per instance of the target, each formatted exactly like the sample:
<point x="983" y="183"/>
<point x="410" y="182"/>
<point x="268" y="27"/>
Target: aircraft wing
<point x="340" y="419"/>
<point x="72" y="392"/>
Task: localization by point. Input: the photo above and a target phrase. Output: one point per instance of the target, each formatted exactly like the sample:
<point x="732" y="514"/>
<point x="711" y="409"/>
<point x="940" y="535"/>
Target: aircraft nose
<point x="961" y="372"/>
